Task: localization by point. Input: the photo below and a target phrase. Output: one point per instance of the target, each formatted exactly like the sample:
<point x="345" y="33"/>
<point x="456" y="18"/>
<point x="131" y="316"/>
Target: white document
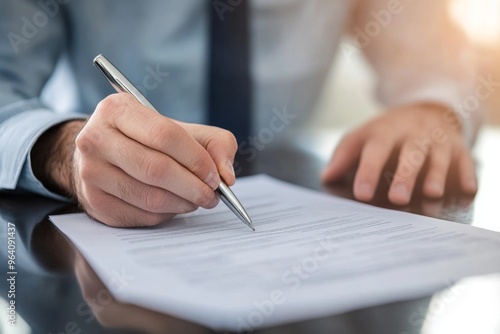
<point x="312" y="255"/>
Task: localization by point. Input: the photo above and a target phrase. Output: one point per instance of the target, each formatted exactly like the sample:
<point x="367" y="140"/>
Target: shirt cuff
<point x="18" y="134"/>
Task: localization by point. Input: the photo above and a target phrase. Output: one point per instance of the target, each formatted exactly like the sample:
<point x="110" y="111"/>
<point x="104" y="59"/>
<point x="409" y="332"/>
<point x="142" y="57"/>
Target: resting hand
<point x="419" y="135"/>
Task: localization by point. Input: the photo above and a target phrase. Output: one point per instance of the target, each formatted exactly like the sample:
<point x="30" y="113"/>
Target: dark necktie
<point x="229" y="98"/>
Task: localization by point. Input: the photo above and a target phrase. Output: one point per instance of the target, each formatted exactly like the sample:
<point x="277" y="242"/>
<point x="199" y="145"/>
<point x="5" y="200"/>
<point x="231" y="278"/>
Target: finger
<point x="411" y="160"/>
<point x="433" y="207"/>
<point x="374" y="156"/>
<point x="114" y="181"/>
<point x="143" y="164"/>
<point x="439" y="164"/>
<point x="220" y="144"/>
<point x="344" y="158"/>
<point x="467" y="172"/>
<point x="113" y="211"/>
<point x="162" y="134"/>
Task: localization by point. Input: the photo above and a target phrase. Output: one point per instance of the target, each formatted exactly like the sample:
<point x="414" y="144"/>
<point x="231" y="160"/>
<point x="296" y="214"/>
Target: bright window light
<point x="479" y="18"/>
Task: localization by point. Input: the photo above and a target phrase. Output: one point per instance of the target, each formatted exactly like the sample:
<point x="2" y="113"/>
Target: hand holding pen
<point x="132" y="166"/>
<point x="121" y="84"/>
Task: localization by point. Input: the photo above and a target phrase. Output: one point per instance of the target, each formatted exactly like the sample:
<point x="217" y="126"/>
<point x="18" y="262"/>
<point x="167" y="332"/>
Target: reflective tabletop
<point x="50" y="288"/>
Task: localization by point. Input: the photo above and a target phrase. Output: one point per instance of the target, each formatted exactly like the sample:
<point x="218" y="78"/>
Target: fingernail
<point x="364" y="190"/>
<point x="401" y="191"/>
<point x="213" y="180"/>
<point x="436" y="187"/>
<point x="472" y="184"/>
<point x="230" y="168"/>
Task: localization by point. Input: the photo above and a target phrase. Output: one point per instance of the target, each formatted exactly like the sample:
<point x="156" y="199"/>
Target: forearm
<point x="52" y="157"/>
<point x="420" y="56"/>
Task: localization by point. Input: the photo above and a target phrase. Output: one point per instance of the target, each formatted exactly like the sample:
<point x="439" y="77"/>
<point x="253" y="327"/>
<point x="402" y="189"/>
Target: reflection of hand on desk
<point x="115" y="315"/>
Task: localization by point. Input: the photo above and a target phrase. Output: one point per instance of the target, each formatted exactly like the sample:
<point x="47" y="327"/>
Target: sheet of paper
<point x="312" y="255"/>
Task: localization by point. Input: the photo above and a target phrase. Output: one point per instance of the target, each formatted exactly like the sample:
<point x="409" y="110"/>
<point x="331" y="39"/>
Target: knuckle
<point x="198" y="199"/>
<point x="86" y="141"/>
<point x="113" y="105"/>
<point x="203" y="197"/>
<point x="358" y="133"/>
<point x="165" y="133"/>
<point x="156" y="200"/>
<point x="381" y="142"/>
<point x="202" y="165"/>
<point x="230" y="140"/>
<point x="114" y="101"/>
<point x="125" y="189"/>
<point x="153" y="169"/>
<point x="109" y="104"/>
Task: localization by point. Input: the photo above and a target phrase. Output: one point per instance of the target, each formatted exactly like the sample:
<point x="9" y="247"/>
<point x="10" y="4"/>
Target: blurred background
<point x="347" y="99"/>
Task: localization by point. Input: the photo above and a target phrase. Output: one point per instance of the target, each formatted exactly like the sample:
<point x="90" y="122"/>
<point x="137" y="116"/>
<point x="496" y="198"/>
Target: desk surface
<point x="57" y="291"/>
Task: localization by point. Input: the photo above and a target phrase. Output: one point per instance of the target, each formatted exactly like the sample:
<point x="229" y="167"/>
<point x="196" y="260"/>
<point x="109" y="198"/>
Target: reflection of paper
<point x="312" y="255"/>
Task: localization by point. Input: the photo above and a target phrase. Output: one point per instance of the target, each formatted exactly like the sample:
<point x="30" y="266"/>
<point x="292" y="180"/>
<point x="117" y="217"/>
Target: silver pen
<point x="121" y="84"/>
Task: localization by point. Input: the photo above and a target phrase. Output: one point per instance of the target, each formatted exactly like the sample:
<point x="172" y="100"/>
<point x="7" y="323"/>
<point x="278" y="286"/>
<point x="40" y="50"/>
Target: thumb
<point x="345" y="157"/>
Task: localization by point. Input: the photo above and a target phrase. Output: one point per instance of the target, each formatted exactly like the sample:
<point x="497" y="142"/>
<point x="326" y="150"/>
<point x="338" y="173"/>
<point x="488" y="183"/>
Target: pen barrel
<point x="119" y="81"/>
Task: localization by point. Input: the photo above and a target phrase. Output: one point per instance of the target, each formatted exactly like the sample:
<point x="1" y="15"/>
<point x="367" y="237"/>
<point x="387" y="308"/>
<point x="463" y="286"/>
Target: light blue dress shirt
<point x="162" y="46"/>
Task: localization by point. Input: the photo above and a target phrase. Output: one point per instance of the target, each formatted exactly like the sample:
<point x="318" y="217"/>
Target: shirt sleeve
<point x="29" y="51"/>
<point x="419" y="55"/>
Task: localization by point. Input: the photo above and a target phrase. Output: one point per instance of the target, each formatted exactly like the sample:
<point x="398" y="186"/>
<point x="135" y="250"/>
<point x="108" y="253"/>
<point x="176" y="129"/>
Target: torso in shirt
<point x="162" y="47"/>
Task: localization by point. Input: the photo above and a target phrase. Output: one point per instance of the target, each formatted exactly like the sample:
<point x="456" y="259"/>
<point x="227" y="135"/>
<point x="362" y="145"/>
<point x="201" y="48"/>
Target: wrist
<point x="52" y="157"/>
